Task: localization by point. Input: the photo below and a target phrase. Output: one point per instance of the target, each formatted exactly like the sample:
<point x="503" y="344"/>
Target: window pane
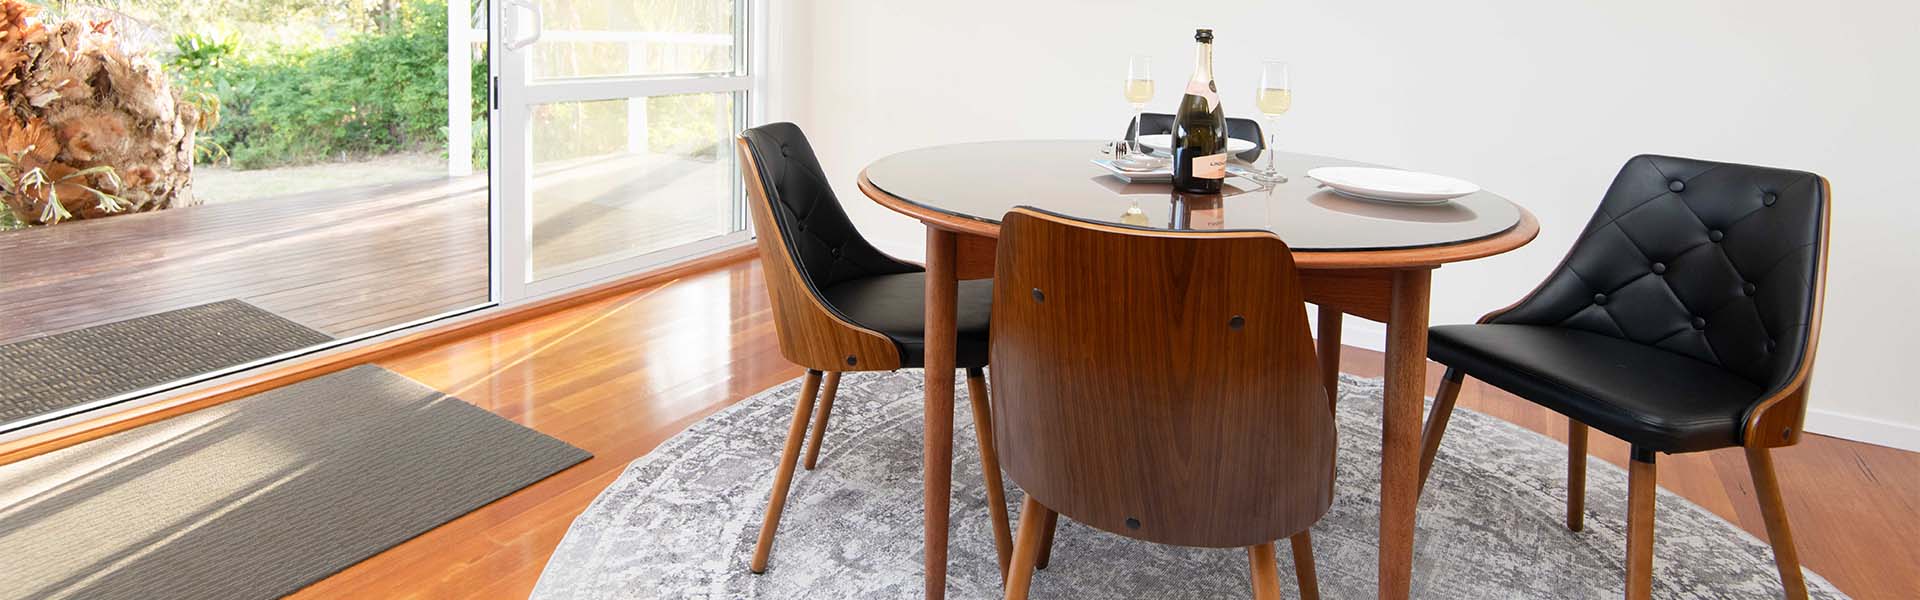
<point x="602" y="38"/>
<point x="615" y="179"/>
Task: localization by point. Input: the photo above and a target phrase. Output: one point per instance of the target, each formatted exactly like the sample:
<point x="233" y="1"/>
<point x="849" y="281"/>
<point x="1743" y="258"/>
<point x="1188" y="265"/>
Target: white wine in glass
<point x="1274" y="102"/>
<point x="1139" y="91"/>
<point x="1274" y="99"/>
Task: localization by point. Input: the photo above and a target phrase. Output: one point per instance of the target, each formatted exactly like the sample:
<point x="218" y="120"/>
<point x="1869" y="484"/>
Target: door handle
<point x="512" y="23"/>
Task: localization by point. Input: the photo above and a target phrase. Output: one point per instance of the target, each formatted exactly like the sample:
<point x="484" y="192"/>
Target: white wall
<point x="1538" y="101"/>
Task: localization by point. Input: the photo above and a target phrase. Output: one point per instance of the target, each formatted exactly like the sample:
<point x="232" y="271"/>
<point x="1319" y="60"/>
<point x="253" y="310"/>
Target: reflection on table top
<point x="982" y="181"/>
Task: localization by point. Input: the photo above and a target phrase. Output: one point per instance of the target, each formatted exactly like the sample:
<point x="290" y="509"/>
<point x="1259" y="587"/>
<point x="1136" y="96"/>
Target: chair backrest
<point x="1716" y="261"/>
<point x="1160" y="385"/>
<point x="807" y="244"/>
<point x="1237" y="128"/>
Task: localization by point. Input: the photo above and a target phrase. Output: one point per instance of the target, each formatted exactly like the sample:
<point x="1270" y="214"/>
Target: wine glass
<point x="1274" y="98"/>
<point x="1139" y="91"/>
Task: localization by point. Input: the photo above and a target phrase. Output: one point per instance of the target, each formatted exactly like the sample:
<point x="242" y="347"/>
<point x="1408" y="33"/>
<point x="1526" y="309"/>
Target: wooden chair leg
<point x="784" y="479"/>
<point x="1641" y="482"/>
<point x="1576" y="475"/>
<point x="1266" y="572"/>
<point x="1046" y="539"/>
<point x="1327" y="345"/>
<point x="1443" y="400"/>
<point x="1303" y="566"/>
<point x="1026" y="548"/>
<point x="990" y="467"/>
<point x="827" y="392"/>
<point x="1766" y="486"/>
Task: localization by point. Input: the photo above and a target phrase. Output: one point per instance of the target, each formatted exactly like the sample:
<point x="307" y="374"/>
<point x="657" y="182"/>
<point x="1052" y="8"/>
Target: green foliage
<point x="480" y="141"/>
<point x="381" y="88"/>
<point x="381" y="91"/>
<point x="197" y="55"/>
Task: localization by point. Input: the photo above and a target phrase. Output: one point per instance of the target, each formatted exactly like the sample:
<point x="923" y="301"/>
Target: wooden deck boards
<point x="353" y="260"/>
<point x="343" y="262"/>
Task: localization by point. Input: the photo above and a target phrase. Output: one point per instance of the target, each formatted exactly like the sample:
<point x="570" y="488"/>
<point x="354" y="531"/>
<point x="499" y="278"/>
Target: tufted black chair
<point x="839" y="304"/>
<point x="1684" y="319"/>
<point x="1237" y="128"/>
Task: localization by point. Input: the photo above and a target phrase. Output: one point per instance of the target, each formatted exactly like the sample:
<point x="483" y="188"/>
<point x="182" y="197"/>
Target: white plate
<point x="1139" y="164"/>
<point x="1392" y="185"/>
<point x="1164" y="174"/>
<point x="1163" y="141"/>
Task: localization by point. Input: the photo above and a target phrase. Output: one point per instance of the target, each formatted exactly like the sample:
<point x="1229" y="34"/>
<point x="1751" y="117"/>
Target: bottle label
<point x="1204" y="89"/>
<point x="1212" y="166"/>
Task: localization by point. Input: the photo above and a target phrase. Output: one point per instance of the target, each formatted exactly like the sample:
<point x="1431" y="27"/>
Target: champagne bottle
<point x="1200" y="128"/>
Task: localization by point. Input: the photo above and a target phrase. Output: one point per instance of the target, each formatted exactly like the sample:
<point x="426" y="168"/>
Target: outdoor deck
<point x="344" y="261"/>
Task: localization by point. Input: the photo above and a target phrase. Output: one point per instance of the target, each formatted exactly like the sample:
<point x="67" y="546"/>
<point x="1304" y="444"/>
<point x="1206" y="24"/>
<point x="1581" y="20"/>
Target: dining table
<point x="1366" y="258"/>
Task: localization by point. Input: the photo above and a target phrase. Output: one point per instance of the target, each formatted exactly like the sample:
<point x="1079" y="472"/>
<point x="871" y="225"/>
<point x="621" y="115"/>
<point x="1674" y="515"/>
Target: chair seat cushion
<point x="894" y="305"/>
<point x="1652" y="398"/>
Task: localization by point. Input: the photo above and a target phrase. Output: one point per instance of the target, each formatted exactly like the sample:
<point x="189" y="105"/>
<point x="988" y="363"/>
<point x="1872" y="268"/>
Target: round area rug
<point x="681" y="522"/>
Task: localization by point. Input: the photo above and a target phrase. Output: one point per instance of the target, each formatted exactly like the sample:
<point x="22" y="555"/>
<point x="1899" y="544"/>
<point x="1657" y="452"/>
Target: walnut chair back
<point x="807" y="243"/>
<point x="1156" y="384"/>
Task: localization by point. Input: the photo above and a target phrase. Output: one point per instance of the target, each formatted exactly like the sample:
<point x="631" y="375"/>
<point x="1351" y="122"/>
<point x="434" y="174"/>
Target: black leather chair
<point x="1684" y="319"/>
<point x="839" y="304"/>
<point x="1237" y="128"/>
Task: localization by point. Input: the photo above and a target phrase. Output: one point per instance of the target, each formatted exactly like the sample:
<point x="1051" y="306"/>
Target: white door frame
<point x="515" y="96"/>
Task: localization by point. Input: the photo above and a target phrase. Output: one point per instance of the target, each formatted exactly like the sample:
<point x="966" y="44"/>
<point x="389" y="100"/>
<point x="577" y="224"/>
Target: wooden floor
<point x="620" y="376"/>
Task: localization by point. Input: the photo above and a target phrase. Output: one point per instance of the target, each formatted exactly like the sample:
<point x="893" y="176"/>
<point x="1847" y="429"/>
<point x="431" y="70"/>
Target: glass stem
<point x="1139" y="113"/>
<point x="1270" y="138"/>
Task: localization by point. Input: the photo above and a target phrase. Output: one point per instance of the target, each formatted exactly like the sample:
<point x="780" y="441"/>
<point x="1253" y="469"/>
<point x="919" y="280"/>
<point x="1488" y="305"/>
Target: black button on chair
<point x="839" y="304"/>
<point x="1684" y="319"/>
<point x="1237" y="128"/>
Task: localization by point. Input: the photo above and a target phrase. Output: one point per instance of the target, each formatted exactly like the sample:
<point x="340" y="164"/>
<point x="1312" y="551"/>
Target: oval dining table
<point x="1356" y="257"/>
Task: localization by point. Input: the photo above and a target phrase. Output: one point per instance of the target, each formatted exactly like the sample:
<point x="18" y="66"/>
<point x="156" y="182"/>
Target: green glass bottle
<point x="1200" y="128"/>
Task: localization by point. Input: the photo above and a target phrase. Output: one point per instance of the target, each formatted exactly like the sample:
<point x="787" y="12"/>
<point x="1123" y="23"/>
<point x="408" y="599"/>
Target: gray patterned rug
<point x="261" y="496"/>
<point x="681" y="522"/>
<point x="63" y="370"/>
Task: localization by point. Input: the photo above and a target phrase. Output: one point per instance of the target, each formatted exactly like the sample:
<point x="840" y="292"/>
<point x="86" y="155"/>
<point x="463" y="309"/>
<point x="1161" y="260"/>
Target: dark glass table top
<point x="982" y="181"/>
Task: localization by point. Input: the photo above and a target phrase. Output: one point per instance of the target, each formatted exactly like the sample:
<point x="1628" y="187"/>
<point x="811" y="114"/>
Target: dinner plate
<point x="1142" y="164"/>
<point x="1392" y="185"/>
<point x="1163" y="141"/>
<point x="1163" y="174"/>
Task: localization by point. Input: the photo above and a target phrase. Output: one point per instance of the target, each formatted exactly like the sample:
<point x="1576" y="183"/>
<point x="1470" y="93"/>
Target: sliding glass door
<point x="618" y="119"/>
<point x="258" y="180"/>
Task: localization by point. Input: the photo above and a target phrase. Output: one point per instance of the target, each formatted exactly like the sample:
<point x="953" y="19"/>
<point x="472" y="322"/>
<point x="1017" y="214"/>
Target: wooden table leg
<point x="941" y="339"/>
<point x="1327" y="345"/>
<point x="1406" y="378"/>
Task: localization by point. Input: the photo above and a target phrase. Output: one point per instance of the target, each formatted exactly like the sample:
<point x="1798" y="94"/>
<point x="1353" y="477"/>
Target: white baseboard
<point x="1358" y="332"/>
<point x="1869" y="430"/>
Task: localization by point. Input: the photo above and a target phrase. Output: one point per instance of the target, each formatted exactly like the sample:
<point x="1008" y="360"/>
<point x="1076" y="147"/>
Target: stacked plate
<point x="1163" y="142"/>
<point x="1138" y="169"/>
<point x="1150" y="170"/>
<point x="1392" y="185"/>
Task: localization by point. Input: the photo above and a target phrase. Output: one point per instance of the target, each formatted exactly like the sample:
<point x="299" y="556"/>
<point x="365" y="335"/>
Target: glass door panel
<point x="618" y="179"/>
<point x="623" y="115"/>
<point x="605" y="38"/>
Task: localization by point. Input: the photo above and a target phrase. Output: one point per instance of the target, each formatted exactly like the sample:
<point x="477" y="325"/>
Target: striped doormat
<point x="46" y="374"/>
<point x="261" y="496"/>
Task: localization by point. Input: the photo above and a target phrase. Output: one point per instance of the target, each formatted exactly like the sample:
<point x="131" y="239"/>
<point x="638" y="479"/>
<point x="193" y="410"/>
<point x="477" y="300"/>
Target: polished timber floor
<point x="617" y="377"/>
